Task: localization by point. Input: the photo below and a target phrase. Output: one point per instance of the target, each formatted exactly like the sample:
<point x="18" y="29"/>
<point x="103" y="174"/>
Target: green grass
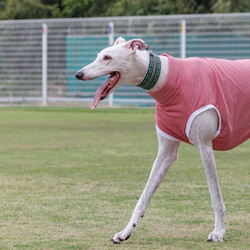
<point x="70" y="178"/>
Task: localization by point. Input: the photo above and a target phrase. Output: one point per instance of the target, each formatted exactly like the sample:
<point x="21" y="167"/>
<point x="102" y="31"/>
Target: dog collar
<point x="153" y="73"/>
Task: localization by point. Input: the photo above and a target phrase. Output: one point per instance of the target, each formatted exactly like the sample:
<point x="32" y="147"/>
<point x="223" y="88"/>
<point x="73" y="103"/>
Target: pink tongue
<point x="98" y="94"/>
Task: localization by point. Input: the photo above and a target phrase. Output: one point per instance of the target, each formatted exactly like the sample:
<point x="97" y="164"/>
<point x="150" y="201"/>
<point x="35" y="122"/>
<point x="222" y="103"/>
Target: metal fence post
<point x="111" y="42"/>
<point x="44" y="63"/>
<point x="183" y="39"/>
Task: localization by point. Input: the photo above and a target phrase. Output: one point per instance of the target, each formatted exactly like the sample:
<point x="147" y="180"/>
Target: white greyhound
<point x="201" y="101"/>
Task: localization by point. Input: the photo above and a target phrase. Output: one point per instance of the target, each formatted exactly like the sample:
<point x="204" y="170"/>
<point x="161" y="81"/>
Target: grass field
<point x="70" y="178"/>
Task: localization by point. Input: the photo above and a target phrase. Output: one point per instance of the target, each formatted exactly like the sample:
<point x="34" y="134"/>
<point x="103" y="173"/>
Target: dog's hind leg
<point x="202" y="133"/>
<point x="167" y="154"/>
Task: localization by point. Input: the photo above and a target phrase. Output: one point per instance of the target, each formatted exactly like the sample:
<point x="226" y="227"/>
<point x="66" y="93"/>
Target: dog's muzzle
<point x="79" y="75"/>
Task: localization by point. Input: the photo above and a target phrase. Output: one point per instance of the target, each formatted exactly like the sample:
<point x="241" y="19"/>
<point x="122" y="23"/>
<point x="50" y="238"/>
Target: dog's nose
<point x="79" y="75"/>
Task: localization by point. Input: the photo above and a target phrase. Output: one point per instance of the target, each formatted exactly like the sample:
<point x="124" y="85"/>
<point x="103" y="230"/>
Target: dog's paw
<point x="120" y="237"/>
<point x="216" y="236"/>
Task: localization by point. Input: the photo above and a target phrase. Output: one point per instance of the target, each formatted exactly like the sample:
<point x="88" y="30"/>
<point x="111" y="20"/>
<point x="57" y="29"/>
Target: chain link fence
<point x="73" y="43"/>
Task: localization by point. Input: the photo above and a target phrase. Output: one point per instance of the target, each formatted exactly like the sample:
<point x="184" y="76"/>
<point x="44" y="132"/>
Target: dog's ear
<point x="138" y="44"/>
<point x="119" y="40"/>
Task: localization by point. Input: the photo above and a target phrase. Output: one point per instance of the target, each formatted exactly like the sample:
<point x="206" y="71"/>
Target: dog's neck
<point x="153" y="72"/>
<point x="156" y="70"/>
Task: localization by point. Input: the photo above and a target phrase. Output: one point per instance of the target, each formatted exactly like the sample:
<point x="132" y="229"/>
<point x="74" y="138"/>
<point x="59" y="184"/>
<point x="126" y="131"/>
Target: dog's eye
<point x="105" y="58"/>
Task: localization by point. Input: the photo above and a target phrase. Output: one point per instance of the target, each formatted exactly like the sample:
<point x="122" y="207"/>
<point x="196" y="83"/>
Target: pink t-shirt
<point x="194" y="85"/>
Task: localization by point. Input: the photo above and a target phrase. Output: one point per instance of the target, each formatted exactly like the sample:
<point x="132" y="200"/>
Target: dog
<point x="201" y="101"/>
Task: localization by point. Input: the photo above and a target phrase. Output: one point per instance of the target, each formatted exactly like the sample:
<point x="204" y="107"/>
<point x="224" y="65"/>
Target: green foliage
<point x="152" y="7"/>
<point x="28" y="9"/>
<point x="225" y="6"/>
<point x="20" y="9"/>
<point x="86" y="8"/>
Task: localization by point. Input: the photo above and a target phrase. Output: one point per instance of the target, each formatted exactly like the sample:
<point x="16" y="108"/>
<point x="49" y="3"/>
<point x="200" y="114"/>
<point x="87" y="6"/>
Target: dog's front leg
<point x="208" y="159"/>
<point x="202" y="133"/>
<point x="167" y="154"/>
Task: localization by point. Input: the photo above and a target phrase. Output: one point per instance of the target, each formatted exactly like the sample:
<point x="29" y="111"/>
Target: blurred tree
<point x="86" y="8"/>
<point x="27" y="9"/>
<point x="161" y="7"/>
<point x="227" y="6"/>
<point x="24" y="9"/>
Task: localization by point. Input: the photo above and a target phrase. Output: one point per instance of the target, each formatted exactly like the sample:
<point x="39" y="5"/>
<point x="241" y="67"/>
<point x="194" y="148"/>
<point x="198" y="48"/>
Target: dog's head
<point x="119" y="62"/>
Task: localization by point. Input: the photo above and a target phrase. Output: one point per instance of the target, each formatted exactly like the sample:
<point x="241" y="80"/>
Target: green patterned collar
<point x="152" y="74"/>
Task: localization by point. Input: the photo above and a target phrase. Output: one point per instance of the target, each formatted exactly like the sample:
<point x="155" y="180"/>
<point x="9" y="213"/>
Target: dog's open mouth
<point x="103" y="91"/>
